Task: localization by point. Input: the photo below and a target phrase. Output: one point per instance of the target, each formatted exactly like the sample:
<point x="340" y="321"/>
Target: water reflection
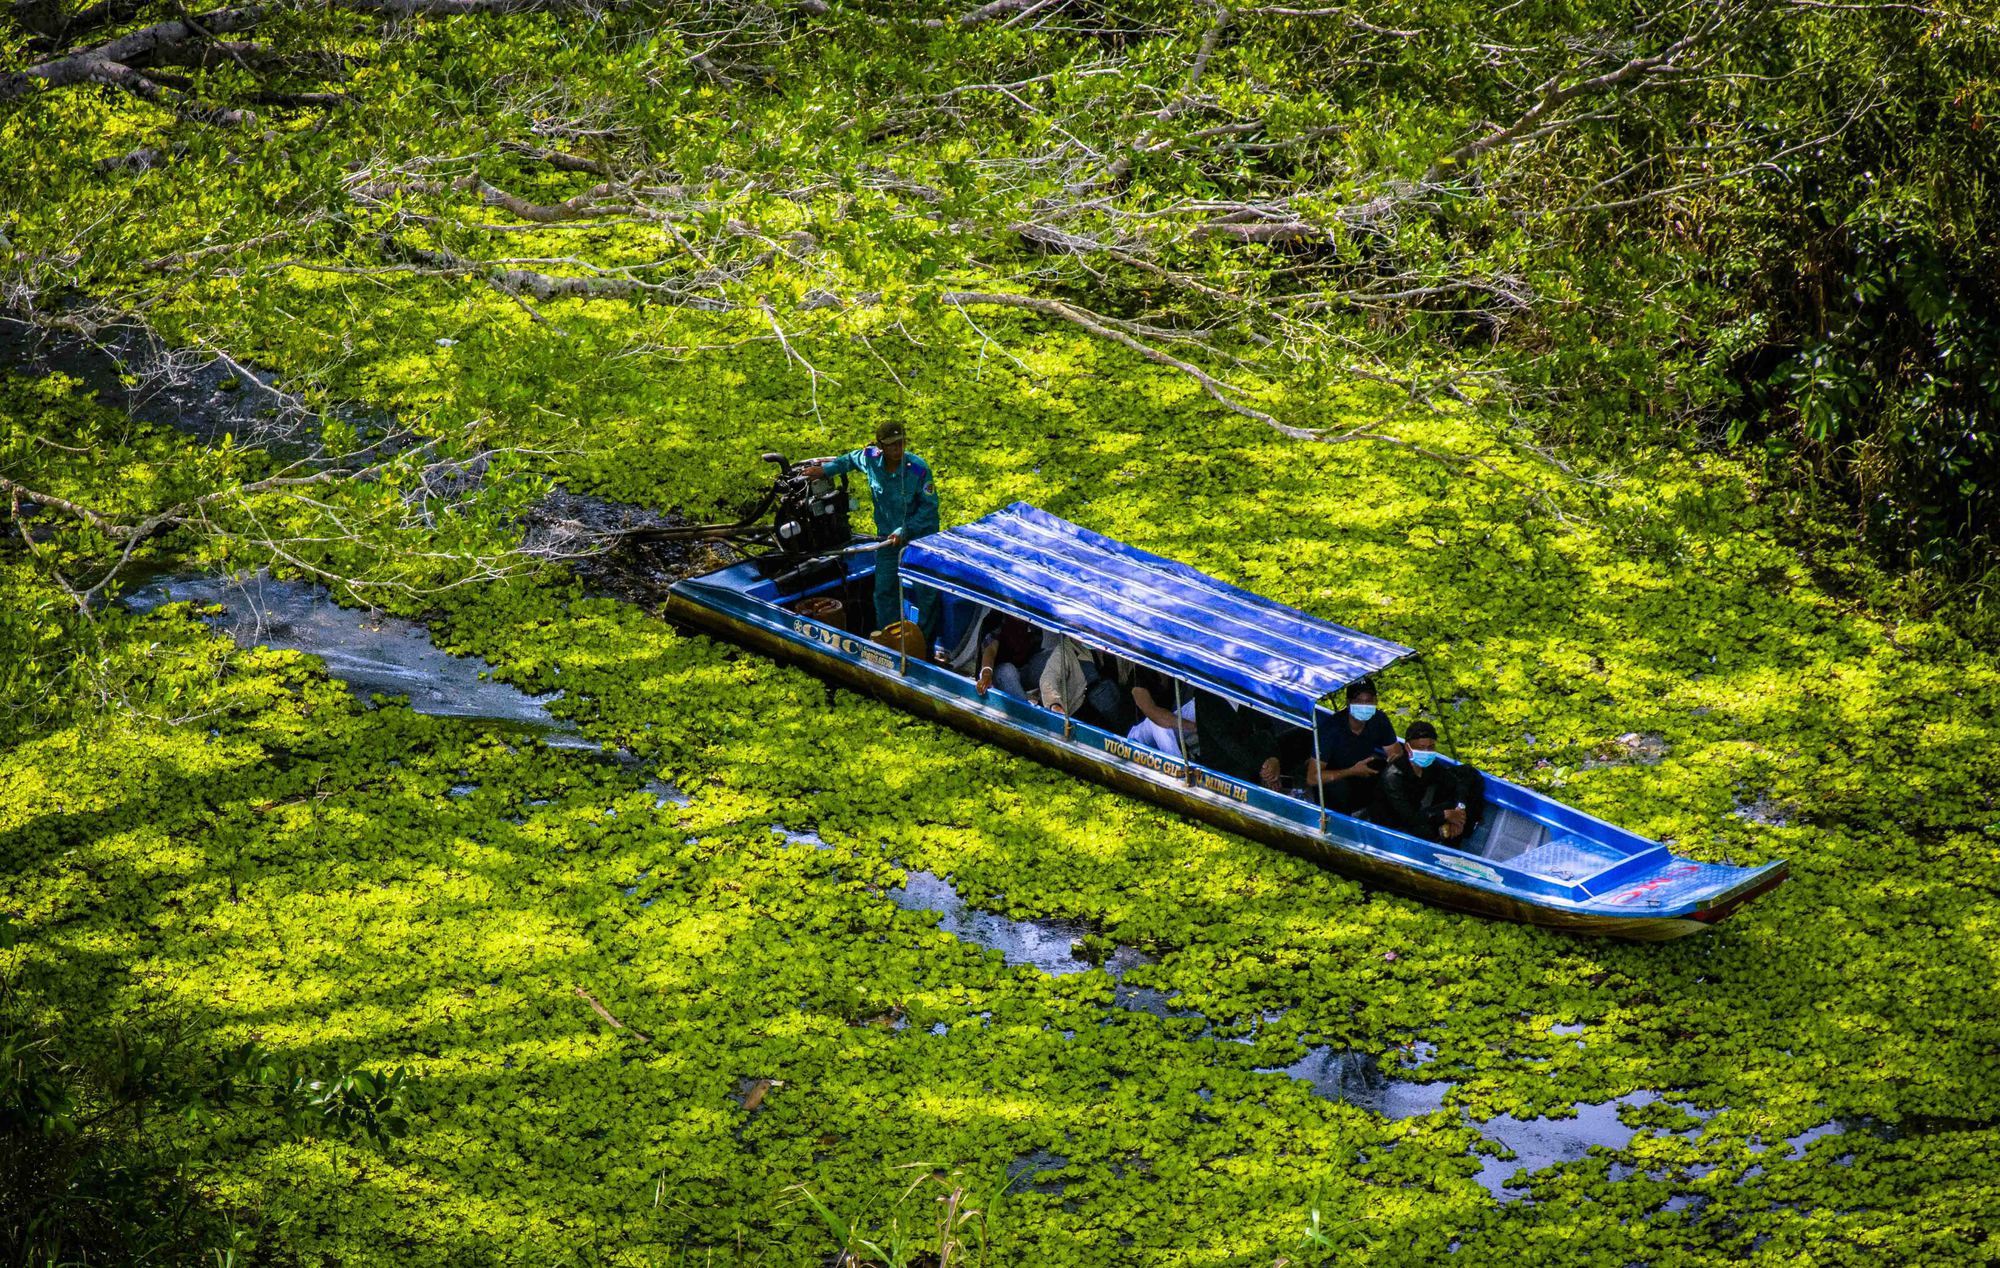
<point x="1358" y="1079"/>
<point x="1349" y="1076"/>
<point x="1048" y="945"/>
<point x="370" y="652"/>
<point x="1539" y="1143"/>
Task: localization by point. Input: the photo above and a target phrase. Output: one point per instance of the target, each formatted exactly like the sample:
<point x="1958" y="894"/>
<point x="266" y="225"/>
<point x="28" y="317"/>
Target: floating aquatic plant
<point x="243" y="841"/>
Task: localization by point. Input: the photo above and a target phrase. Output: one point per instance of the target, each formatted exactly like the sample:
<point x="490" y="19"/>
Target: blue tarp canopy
<point x="1148" y="609"/>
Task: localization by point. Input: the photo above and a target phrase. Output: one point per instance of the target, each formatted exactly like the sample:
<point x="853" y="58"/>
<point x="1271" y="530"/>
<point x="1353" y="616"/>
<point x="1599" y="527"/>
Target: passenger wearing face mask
<point x="1431" y="798"/>
<point x="1355" y="746"/>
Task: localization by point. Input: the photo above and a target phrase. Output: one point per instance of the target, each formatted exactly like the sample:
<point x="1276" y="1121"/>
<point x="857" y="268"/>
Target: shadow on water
<point x="193" y="391"/>
<point x="368" y="651"/>
<point x="1356" y="1078"/>
<point x="1908" y="1127"/>
<point x="1037" y="1172"/>
<point x="1049" y="945"/>
<point x="1539" y="1143"/>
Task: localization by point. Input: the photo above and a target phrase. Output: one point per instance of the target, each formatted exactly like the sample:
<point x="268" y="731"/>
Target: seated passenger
<point x="1355" y="745"/>
<point x="1006" y="643"/>
<point x="1061" y="686"/>
<point x="961" y="655"/>
<point x="1104" y="704"/>
<point x="1427" y="798"/>
<point x="1049" y="671"/>
<point x="1240" y="743"/>
<point x="1158" y="727"/>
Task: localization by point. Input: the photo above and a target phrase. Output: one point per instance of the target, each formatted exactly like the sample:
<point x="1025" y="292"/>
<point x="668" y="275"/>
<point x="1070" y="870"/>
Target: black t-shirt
<point x="1233" y="740"/>
<point x="1339" y="746"/>
<point x="1016" y="637"/>
<point x="1418" y="798"/>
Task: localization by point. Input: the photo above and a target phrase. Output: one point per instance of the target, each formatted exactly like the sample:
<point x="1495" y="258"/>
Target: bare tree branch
<point x="561" y="159"/>
<point x="111" y="61"/>
<point x="1222" y="393"/>
<point x="1554" y="93"/>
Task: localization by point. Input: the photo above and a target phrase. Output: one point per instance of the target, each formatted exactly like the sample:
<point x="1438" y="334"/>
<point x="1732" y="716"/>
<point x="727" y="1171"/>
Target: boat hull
<point x="1212" y="805"/>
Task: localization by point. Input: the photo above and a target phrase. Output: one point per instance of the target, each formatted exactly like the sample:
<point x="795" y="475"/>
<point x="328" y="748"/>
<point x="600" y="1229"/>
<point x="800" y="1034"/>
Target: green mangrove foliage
<point x="1763" y="224"/>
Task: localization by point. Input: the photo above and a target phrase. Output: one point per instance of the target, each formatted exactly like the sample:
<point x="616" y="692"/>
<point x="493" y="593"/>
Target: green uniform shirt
<point x="905" y="499"/>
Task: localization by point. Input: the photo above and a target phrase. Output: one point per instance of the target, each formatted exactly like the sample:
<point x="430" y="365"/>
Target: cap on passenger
<point x="889" y="432"/>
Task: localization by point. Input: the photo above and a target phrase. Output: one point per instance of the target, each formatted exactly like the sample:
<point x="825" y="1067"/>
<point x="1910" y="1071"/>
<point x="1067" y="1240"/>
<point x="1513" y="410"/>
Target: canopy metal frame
<point x="1150" y="609"/>
<point x="1175" y="673"/>
<point x="1113" y="648"/>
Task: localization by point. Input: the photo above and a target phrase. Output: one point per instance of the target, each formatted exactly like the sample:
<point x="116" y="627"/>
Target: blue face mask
<point x="1361" y="712"/>
<point x="1423" y="756"/>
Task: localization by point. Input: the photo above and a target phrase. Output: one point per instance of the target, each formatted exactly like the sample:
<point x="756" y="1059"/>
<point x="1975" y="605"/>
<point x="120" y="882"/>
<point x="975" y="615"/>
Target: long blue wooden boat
<point x="1533" y="859"/>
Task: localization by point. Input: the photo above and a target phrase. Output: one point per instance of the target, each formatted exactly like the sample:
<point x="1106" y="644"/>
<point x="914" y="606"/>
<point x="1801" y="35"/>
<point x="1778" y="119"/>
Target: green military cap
<point x="889" y="431"/>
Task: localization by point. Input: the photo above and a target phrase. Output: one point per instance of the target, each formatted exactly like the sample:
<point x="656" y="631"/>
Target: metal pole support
<point x="1437" y="710"/>
<point x="1319" y="773"/>
<point x="1187" y="760"/>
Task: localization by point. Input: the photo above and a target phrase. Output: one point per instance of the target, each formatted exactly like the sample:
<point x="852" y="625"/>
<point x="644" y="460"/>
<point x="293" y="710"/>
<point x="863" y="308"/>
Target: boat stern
<point x="1759" y="881"/>
<point x="1689" y="894"/>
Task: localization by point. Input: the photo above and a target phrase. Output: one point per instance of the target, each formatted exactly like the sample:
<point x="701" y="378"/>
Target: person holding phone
<point x="1355" y="746"/>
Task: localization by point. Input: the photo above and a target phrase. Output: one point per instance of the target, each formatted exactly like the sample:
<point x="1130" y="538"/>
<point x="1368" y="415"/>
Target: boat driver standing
<point x="906" y="508"/>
